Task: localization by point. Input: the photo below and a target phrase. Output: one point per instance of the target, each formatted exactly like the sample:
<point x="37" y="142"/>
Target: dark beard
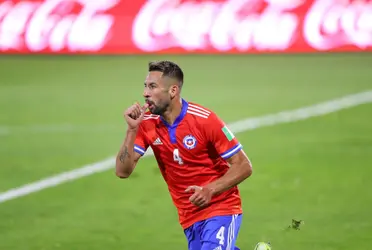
<point x="158" y="110"/>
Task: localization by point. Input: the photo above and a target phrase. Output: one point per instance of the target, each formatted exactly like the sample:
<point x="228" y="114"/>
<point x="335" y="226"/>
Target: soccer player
<point x="200" y="159"/>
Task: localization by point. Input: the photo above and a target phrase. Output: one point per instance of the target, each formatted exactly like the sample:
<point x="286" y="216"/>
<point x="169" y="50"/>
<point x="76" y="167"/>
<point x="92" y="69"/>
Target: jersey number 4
<point x="177" y="157"/>
<point x="220" y="235"/>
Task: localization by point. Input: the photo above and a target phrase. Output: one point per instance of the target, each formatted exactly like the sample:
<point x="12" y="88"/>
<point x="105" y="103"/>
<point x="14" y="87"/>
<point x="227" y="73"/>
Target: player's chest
<point x="178" y="144"/>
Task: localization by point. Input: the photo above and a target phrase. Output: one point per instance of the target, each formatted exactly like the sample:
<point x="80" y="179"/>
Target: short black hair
<point x="169" y="69"/>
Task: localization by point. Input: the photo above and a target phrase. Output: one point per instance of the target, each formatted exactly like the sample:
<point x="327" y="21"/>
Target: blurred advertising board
<point x="175" y="26"/>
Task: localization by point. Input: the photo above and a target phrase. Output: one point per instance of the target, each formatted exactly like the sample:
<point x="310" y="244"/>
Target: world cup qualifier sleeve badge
<point x="189" y="142"/>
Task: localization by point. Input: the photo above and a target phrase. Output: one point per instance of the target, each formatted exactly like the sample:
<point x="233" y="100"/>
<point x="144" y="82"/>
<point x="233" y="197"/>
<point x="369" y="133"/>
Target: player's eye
<point x="150" y="85"/>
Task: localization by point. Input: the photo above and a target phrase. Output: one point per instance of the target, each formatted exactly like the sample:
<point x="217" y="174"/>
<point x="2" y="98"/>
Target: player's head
<point x="163" y="85"/>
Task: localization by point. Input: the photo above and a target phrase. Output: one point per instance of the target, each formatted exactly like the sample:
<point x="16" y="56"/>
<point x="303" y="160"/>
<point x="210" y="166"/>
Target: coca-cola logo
<point x="333" y="23"/>
<point x="223" y="25"/>
<point x="76" y="25"/>
<point x="185" y="25"/>
<point x="244" y="25"/>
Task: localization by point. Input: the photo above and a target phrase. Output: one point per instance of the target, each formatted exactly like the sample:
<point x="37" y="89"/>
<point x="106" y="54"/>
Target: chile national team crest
<point x="189" y="141"/>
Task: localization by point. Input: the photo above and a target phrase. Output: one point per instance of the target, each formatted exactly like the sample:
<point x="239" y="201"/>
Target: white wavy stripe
<point x="240" y="126"/>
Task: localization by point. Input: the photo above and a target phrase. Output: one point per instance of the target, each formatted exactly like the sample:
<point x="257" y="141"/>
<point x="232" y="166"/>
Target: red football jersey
<point x="192" y="151"/>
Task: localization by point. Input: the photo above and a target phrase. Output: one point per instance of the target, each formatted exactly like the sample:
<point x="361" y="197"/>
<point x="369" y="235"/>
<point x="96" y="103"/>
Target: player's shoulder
<point x="199" y="111"/>
<point x="149" y="120"/>
<point x="149" y="116"/>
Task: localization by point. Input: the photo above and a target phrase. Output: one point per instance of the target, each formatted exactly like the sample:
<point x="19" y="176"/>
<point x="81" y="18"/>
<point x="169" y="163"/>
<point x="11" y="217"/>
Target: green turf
<point x="59" y="113"/>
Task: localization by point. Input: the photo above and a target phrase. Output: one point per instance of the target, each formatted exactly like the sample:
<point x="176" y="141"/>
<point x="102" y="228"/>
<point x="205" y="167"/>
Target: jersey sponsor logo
<point x="229" y="135"/>
<point x="157" y="142"/>
<point x="189" y="141"/>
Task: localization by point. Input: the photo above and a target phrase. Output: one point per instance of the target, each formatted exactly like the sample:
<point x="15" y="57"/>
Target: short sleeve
<point x="221" y="137"/>
<point x="140" y="143"/>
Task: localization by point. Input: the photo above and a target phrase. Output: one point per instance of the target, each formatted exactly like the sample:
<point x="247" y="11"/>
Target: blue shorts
<point x="216" y="233"/>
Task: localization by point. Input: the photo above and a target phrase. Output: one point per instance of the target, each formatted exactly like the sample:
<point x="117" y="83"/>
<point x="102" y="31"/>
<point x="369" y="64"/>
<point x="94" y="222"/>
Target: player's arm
<point x="240" y="169"/>
<point x="127" y="157"/>
<point x="134" y="145"/>
<point x="229" y="148"/>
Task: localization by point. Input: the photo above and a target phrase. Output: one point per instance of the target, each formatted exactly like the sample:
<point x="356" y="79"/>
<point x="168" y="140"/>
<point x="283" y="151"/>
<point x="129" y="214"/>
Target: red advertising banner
<point x="191" y="26"/>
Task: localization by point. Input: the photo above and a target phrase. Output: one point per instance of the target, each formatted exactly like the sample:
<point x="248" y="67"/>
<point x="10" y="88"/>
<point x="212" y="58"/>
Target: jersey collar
<point x="179" y="118"/>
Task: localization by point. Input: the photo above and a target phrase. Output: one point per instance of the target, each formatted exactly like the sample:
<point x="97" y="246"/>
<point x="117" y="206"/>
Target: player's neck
<point x="173" y="112"/>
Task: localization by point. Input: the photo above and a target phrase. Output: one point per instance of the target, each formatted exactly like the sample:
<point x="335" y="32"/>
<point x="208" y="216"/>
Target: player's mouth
<point x="150" y="103"/>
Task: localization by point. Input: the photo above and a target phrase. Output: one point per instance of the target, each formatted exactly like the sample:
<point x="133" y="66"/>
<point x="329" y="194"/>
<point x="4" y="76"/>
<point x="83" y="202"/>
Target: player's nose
<point x="146" y="93"/>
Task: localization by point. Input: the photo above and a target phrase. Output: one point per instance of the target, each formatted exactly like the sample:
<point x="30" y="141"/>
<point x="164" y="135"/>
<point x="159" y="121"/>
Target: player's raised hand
<point x="201" y="196"/>
<point x="134" y="115"/>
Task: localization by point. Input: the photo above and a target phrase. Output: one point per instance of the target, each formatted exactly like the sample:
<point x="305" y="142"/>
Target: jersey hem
<point x="189" y="223"/>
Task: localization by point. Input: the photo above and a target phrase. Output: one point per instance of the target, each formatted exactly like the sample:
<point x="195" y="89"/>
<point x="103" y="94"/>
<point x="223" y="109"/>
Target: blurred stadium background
<point x="62" y="112"/>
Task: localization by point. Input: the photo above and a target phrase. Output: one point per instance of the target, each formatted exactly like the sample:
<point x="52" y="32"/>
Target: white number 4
<point x="220" y="235"/>
<point x="176" y="156"/>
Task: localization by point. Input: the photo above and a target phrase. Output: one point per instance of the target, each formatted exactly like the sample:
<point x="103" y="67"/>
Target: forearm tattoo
<point x="124" y="155"/>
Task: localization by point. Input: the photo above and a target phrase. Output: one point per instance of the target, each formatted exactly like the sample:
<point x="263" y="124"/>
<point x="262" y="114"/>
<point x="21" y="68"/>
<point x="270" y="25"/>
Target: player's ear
<point x="173" y="90"/>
